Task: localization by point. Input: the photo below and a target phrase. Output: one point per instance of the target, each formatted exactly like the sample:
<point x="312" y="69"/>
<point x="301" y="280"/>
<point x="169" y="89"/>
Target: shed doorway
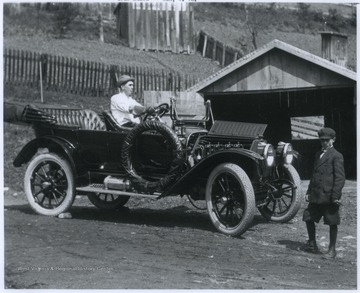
<point x="278" y="108"/>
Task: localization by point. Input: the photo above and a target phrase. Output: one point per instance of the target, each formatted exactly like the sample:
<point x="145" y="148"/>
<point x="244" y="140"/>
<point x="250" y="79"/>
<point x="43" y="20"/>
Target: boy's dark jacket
<point x="328" y="178"/>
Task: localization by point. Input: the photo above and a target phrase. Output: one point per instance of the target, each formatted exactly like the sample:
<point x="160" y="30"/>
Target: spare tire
<point x="140" y="183"/>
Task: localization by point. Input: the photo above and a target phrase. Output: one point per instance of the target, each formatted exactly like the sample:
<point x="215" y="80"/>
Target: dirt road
<point x="169" y="244"/>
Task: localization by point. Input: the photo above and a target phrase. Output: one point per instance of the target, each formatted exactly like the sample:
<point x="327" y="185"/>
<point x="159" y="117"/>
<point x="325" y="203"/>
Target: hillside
<point x="298" y="28"/>
<point x="35" y="30"/>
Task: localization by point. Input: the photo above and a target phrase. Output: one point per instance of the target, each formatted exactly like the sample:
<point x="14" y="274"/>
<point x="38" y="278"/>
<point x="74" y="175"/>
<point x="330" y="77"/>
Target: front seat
<point x="112" y="125"/>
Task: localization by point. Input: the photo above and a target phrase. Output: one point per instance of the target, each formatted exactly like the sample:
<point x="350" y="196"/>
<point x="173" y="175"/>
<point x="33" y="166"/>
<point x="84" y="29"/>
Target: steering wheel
<point x="158" y="112"/>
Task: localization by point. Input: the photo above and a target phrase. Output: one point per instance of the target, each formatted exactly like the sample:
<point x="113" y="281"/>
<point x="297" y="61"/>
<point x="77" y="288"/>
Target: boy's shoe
<point x="330" y="254"/>
<point x="311" y="246"/>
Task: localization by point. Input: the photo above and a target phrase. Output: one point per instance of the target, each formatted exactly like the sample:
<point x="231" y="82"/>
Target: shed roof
<point x="275" y="44"/>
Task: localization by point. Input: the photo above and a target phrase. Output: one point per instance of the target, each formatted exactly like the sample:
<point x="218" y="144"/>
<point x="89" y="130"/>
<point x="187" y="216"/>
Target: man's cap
<point x="124" y="79"/>
<point x="326" y="133"/>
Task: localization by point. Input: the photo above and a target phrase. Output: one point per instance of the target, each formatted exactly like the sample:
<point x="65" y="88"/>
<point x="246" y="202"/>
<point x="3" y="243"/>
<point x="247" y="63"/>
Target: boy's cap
<point x="326" y="133"/>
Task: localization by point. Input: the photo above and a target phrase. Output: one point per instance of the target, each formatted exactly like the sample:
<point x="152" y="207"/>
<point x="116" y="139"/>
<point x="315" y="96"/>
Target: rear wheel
<point x="230" y="199"/>
<point x="49" y="184"/>
<point x="284" y="196"/>
<point x="107" y="201"/>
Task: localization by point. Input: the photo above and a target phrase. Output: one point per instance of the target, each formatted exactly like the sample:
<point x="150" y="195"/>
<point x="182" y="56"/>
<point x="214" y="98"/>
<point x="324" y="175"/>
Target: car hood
<point x="238" y="129"/>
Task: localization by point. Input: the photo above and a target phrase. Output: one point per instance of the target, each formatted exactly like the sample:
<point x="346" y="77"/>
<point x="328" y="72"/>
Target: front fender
<point x="47" y="144"/>
<point x="247" y="160"/>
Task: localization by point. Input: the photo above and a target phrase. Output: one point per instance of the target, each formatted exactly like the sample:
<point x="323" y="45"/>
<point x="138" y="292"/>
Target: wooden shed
<point x="158" y="26"/>
<point x="292" y="91"/>
<point x="334" y="47"/>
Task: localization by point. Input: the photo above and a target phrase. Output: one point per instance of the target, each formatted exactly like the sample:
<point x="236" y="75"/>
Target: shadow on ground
<point x="180" y="216"/>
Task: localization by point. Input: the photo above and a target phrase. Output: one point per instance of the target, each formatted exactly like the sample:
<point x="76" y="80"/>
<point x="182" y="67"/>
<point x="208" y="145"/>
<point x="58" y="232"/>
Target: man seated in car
<point x="123" y="106"/>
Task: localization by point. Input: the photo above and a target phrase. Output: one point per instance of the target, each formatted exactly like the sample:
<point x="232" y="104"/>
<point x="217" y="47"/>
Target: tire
<point x="49" y="184"/>
<point x="230" y="199"/>
<point x="107" y="201"/>
<point x="140" y="183"/>
<point x="285" y="199"/>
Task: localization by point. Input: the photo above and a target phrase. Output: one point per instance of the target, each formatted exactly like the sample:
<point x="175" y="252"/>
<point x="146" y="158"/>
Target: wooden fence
<point x="159" y="26"/>
<point x="216" y="50"/>
<point x="82" y="77"/>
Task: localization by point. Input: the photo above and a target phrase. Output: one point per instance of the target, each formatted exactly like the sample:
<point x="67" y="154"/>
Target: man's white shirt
<point x="120" y="108"/>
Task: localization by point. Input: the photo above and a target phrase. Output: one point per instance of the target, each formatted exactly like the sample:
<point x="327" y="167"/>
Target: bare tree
<point x="12" y="8"/>
<point x="101" y="25"/>
<point x="65" y="15"/>
<point x="258" y="18"/>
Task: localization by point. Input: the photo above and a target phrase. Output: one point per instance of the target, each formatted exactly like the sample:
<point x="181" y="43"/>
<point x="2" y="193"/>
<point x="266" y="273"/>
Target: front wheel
<point x="49" y="184"/>
<point x="230" y="199"/>
<point x="284" y="196"/>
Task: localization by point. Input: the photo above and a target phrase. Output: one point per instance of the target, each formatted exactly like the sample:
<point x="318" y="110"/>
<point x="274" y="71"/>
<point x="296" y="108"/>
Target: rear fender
<point x="246" y="159"/>
<point x="44" y="145"/>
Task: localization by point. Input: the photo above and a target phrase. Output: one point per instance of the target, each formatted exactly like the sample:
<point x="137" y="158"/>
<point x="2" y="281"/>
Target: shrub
<point x="304" y="11"/>
<point x="335" y="20"/>
<point x="303" y="15"/>
<point x="64" y="15"/>
<point x="318" y="16"/>
<point x="353" y="19"/>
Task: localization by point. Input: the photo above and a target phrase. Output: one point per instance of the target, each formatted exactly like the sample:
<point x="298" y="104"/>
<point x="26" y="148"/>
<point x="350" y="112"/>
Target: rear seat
<point x="91" y="120"/>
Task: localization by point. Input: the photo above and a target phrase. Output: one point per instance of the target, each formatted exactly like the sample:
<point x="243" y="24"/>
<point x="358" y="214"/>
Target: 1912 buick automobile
<point x="227" y="165"/>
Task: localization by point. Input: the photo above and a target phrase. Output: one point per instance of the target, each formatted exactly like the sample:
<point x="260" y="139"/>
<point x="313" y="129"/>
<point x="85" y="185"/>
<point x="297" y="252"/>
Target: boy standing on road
<point x="324" y="192"/>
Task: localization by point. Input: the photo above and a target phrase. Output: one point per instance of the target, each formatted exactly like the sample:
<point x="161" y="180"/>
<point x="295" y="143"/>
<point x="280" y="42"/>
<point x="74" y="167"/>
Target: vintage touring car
<point x="226" y="165"/>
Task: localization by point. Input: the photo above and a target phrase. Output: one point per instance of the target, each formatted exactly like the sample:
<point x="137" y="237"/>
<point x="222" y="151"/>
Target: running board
<point x="99" y="188"/>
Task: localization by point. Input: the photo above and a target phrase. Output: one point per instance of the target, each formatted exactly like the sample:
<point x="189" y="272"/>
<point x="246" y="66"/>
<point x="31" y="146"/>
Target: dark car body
<point x="227" y="164"/>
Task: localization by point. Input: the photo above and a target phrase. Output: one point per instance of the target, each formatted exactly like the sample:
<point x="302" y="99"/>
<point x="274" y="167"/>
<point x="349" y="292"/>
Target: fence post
<point x="178" y="87"/>
<point x="204" y="46"/>
<point x="113" y="76"/>
<point x="43" y="73"/>
<point x="223" y="55"/>
<point x="169" y="82"/>
<point x="235" y="56"/>
<point x="214" y="50"/>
